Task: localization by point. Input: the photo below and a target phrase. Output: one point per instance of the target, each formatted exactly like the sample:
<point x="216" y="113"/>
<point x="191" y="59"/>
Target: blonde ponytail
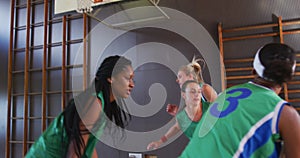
<point x="197" y="68"/>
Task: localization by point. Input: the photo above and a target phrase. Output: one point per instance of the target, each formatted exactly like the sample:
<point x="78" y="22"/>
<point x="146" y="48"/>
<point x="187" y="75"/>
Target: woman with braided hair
<point x="75" y="132"/>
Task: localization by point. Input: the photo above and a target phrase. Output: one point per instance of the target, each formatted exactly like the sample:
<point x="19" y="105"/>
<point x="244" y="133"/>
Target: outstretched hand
<point x="172" y="109"/>
<point x="154" y="145"/>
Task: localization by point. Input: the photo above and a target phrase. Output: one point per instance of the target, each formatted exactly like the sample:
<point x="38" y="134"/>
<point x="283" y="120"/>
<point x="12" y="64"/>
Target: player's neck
<point x="192" y="108"/>
<point x="274" y="87"/>
<point x="194" y="112"/>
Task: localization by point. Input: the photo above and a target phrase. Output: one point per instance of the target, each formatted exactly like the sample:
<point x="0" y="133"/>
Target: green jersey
<point x="242" y="122"/>
<point x="186" y="125"/>
<point x="54" y="142"/>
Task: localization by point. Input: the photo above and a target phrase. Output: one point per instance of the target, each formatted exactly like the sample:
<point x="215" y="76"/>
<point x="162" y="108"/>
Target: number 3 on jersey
<point x="233" y="102"/>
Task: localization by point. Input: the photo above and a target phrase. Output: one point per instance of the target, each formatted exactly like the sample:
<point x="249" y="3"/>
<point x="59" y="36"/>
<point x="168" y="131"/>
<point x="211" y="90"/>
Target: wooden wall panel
<point x="239" y="70"/>
<point x="39" y="59"/>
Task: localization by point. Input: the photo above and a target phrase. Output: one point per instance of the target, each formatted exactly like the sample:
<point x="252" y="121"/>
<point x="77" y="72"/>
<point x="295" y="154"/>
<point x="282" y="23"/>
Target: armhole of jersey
<point x="92" y="140"/>
<point x="100" y="95"/>
<point x="201" y="86"/>
<point x="203" y="98"/>
<point x="177" y="120"/>
<point x="277" y="113"/>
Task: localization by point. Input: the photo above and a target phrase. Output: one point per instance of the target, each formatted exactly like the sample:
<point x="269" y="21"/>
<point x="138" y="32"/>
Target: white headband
<point x="258" y="67"/>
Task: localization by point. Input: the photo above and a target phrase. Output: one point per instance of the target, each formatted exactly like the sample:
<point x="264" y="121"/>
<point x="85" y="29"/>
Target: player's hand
<point x="154" y="145"/>
<point x="172" y="109"/>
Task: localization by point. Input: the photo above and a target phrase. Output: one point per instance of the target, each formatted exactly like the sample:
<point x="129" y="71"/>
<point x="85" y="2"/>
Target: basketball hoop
<point x="84" y="6"/>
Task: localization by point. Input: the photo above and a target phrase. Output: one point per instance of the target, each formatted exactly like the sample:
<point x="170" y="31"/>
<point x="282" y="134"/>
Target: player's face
<point x="192" y="94"/>
<point x="182" y="77"/>
<point x="122" y="83"/>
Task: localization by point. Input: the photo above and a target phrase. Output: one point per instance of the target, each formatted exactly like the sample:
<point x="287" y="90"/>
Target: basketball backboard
<point x="129" y="17"/>
<point x="65" y="6"/>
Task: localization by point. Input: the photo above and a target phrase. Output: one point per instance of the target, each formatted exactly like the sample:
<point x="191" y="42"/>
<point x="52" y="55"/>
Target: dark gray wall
<point x="234" y="13"/>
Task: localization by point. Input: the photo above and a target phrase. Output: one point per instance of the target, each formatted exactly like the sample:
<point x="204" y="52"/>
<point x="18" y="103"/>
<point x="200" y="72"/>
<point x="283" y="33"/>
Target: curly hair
<point x="278" y="62"/>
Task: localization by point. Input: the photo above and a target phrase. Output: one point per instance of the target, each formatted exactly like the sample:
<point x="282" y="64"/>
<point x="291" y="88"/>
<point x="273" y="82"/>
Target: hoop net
<point x="84" y="6"/>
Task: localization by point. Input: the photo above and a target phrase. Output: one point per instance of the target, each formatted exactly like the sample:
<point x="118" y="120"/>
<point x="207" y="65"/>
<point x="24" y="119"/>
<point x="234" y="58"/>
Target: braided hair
<point x="110" y="66"/>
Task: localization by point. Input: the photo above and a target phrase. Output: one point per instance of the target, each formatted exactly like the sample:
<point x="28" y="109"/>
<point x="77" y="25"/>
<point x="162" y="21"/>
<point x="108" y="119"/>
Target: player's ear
<point x="183" y="95"/>
<point x="109" y="80"/>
